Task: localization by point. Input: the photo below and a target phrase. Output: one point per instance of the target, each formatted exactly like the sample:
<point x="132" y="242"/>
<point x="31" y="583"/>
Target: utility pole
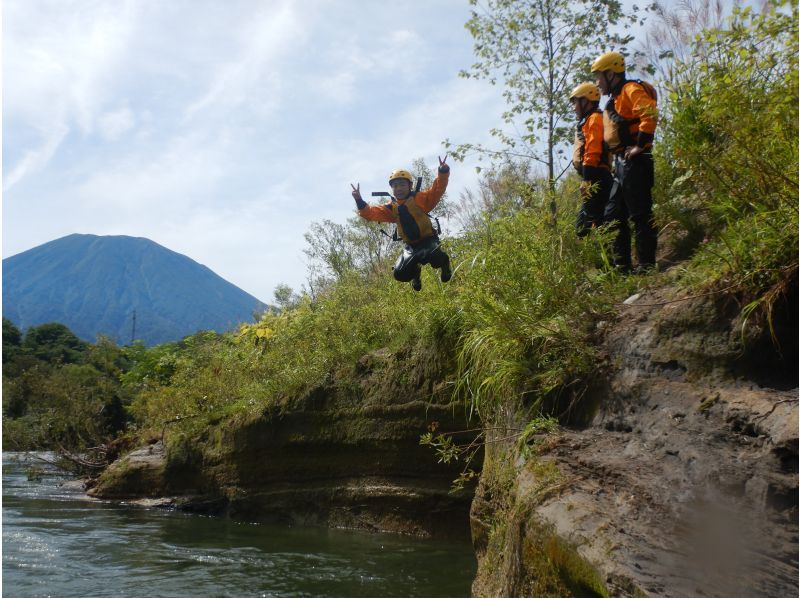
<point x="133" y="330"/>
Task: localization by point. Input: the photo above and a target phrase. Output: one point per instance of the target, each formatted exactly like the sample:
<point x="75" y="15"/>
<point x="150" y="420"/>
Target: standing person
<point x="590" y="157"/>
<point x="409" y="211"/>
<point x="630" y="119"/>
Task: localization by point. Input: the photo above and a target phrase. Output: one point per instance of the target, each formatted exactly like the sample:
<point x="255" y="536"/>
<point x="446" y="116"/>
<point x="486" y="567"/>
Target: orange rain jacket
<point x="590" y="149"/>
<point x="631" y="116"/>
<point x="411" y="214"/>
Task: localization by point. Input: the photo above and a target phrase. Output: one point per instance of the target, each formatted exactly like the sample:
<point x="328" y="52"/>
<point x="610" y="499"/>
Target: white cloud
<point x="168" y="181"/>
<point x="35" y="160"/>
<point x="60" y="61"/>
<point x="222" y="130"/>
<point x="252" y="76"/>
<point x="114" y="125"/>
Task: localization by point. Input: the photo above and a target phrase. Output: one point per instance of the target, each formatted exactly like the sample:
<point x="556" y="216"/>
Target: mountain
<point x="94" y="284"/>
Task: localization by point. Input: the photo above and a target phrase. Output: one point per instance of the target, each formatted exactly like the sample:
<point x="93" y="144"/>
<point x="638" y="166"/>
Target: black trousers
<point x="409" y="264"/>
<point x="592" y="212"/>
<point x="633" y="200"/>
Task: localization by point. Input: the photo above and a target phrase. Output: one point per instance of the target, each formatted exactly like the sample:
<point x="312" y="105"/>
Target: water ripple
<point x="56" y="542"/>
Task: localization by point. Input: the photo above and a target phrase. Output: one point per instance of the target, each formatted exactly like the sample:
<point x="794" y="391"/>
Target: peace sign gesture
<point x="443" y="166"/>
<point x="360" y="203"/>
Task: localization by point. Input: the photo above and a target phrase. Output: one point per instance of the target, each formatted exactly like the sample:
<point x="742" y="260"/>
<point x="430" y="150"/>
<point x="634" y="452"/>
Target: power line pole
<point x="133" y="330"/>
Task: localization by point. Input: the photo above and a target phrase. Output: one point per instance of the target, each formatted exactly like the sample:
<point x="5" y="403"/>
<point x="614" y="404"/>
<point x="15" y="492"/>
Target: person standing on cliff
<point x="629" y="120"/>
<point x="590" y="158"/>
<point x="409" y="210"/>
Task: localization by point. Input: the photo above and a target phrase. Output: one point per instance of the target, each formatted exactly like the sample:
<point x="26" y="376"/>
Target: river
<point x="59" y="542"/>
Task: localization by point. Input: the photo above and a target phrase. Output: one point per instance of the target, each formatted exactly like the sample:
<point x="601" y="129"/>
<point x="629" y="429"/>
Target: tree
<point x="54" y="342"/>
<point x="541" y="49"/>
<point x="12" y="339"/>
<point x="329" y="253"/>
<point x="285" y="297"/>
<point x="501" y="192"/>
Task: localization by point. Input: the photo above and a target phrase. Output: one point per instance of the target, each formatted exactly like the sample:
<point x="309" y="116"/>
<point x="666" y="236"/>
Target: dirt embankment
<point x="345" y="455"/>
<point x="682" y="479"/>
<point x="683" y="483"/>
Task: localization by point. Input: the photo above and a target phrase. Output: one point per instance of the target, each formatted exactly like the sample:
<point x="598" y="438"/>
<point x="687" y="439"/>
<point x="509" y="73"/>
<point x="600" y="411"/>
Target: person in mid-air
<point x="409" y="211"/>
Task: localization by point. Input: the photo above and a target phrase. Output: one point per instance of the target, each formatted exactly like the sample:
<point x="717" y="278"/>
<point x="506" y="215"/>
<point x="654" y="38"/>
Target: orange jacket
<point x="425" y="201"/>
<point x="633" y="102"/>
<point x="593" y="146"/>
<point x="590" y="156"/>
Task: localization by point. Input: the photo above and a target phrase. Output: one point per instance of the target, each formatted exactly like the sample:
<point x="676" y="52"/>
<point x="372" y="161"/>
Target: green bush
<point x="729" y="154"/>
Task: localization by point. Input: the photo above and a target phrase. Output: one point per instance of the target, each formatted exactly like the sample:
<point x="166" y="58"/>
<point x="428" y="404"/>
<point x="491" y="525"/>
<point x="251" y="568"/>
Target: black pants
<point x="633" y="200"/>
<point x="409" y="264"/>
<point x="592" y="212"/>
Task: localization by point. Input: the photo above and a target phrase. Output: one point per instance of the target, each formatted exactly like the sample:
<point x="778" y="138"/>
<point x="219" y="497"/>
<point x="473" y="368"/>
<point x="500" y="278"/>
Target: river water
<point x="58" y="542"/>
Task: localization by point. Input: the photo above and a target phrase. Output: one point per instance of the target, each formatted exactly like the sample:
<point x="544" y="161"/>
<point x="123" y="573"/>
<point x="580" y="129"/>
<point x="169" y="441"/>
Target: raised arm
<point x="428" y="199"/>
<point x="368" y="212"/>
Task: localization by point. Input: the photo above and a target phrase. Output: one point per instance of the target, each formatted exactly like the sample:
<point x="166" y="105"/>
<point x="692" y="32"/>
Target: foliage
<point x="670" y="44"/>
<point x="285" y="298"/>
<point x="12" y="340"/>
<point x="729" y="156"/>
<point x="519" y="317"/>
<point x="540" y="49"/>
<point x="54" y="342"/>
<point x="535" y="293"/>
<point x="449" y="450"/>
<point x="59" y="392"/>
<point x="149" y="366"/>
<point x="73" y="406"/>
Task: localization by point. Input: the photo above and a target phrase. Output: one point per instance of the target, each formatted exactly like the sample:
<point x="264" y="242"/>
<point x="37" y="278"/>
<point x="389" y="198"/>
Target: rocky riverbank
<point x="345" y="455"/>
<point x="676" y="472"/>
<point x="684" y="481"/>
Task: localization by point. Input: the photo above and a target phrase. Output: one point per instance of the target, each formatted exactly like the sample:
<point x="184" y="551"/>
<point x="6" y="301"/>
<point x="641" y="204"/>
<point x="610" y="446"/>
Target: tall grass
<point x="729" y="152"/>
<point x="519" y="316"/>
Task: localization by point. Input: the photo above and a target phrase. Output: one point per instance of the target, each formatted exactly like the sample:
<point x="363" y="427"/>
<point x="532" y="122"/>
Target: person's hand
<point x="357" y="192"/>
<point x="443" y="166"/>
<point x="633" y="151"/>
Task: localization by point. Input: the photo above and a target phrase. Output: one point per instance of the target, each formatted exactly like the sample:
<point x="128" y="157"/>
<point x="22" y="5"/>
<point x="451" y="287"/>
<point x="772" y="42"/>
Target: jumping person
<point x="409" y="211"/>
<point x="590" y="157"/>
<point x="630" y="119"/>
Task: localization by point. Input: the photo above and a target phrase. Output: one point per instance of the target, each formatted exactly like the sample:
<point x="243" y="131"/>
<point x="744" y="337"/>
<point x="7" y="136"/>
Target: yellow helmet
<point x="590" y="91"/>
<point x="610" y="61"/>
<point x="401" y="174"/>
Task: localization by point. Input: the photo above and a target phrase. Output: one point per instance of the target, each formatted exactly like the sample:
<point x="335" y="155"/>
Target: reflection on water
<point x="58" y="542"/>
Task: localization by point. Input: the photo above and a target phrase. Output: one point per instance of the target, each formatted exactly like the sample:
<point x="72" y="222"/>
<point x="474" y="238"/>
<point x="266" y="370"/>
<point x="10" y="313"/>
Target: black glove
<point x="360" y="203"/>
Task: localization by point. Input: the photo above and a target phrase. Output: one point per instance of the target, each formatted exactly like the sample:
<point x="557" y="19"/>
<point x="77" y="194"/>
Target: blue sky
<point x="221" y="130"/>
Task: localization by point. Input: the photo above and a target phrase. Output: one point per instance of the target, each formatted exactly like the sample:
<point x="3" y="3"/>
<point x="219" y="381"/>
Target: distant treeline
<point x="62" y="392"/>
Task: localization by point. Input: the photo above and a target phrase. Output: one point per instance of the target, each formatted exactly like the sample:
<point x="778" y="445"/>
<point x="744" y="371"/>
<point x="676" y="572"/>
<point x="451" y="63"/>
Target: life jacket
<point x="413" y="223"/>
<point x="580" y="146"/>
<point x="616" y="129"/>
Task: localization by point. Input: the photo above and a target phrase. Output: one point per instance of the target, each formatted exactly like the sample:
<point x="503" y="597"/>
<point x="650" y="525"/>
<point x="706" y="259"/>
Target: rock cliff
<point x="347" y="454"/>
<point x="675" y="472"/>
<point x="682" y="480"/>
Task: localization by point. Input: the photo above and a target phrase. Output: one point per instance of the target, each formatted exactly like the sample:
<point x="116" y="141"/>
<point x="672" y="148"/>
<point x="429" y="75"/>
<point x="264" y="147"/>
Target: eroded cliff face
<point x="684" y="482"/>
<point x="345" y="455"/>
<point x="676" y="473"/>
